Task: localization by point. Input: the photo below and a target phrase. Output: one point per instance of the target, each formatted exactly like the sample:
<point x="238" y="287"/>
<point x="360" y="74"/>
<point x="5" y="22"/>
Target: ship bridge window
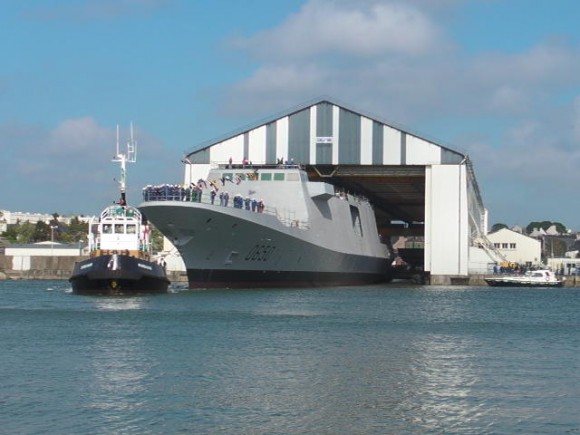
<point x="293" y="176"/>
<point x="119" y="229"/>
<point x="107" y="229"/>
<point x="279" y="176"/>
<point x="131" y="229"/>
<point x="266" y="177"/>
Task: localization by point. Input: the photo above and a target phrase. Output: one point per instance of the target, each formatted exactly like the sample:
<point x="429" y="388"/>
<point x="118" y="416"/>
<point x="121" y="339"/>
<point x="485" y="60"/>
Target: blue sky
<point x="497" y="79"/>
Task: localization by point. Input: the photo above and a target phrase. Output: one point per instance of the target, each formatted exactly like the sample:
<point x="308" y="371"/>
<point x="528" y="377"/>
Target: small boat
<point x="533" y="278"/>
<point x="119" y="260"/>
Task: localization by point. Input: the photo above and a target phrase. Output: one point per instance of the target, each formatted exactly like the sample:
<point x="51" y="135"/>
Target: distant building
<point x="46" y="249"/>
<point x="516" y="247"/>
<point x="564" y="265"/>
<point x="42" y="260"/>
<point x="14" y="217"/>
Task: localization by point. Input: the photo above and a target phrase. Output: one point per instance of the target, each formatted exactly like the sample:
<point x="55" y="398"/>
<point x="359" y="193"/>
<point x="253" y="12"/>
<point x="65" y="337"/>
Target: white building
<point x="516" y="247"/>
<point x="47" y="249"/>
<point x="25" y="256"/>
<point x="14" y="217"/>
<point x="564" y="265"/>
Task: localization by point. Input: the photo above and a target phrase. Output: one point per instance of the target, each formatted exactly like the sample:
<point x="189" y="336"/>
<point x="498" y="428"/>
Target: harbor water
<point x="369" y="360"/>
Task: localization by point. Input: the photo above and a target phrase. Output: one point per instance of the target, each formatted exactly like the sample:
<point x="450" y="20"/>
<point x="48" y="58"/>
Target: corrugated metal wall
<point x="299" y="136"/>
<point x="328" y="134"/>
<point x="349" y="133"/>
<point x="323" y="133"/>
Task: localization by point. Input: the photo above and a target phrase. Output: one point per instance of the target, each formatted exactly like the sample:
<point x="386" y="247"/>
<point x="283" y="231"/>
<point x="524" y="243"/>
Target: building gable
<point x="325" y="132"/>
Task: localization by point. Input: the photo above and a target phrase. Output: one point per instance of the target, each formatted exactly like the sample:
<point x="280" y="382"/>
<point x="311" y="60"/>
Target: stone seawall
<point x="478" y="280"/>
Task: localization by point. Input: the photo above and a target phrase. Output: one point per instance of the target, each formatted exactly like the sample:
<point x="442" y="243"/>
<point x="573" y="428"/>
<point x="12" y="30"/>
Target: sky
<point x="498" y="80"/>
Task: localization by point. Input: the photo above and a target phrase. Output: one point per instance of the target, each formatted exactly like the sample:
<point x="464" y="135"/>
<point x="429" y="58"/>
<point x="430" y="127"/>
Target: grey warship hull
<point x="307" y="236"/>
<point x="224" y="247"/>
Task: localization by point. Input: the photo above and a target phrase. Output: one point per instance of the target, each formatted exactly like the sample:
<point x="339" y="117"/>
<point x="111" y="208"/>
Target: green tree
<point x="26" y="232"/>
<point x="41" y="232"/>
<point x="497" y="227"/>
<point x="156" y="239"/>
<point x="11" y="233"/>
<point x="77" y="230"/>
<point x="561" y="228"/>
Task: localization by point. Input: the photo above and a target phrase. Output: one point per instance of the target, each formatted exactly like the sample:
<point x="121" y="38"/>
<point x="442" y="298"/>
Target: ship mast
<point x="129" y="156"/>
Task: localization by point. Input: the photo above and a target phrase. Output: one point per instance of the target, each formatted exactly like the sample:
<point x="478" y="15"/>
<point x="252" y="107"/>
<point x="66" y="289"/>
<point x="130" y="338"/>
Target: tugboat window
<point x="131" y="229"/>
<point x="119" y="229"/>
<point x="107" y="229"/>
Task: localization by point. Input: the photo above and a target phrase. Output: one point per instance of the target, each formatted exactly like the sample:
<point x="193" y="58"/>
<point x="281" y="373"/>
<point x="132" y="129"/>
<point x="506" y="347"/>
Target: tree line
<point x="561" y="228"/>
<point x="54" y="230"/>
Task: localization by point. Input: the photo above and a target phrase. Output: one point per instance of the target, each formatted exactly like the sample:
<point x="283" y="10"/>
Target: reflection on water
<point x="120" y="303"/>
<point x="118" y="369"/>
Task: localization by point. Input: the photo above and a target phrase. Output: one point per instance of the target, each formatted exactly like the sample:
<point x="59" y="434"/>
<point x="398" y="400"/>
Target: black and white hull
<point x="118" y="275"/>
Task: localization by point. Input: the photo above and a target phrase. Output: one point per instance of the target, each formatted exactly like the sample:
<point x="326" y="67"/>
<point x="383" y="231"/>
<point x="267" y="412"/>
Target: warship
<point x="251" y="226"/>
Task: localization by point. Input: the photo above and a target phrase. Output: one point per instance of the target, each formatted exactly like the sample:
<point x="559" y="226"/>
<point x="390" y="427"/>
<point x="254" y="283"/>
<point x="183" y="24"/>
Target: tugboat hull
<point x="118" y="275"/>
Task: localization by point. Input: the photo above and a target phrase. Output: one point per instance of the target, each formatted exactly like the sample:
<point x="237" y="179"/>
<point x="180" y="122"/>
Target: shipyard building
<point x="418" y="188"/>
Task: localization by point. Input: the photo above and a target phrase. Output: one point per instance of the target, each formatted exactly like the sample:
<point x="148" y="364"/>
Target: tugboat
<point x="119" y="260"/>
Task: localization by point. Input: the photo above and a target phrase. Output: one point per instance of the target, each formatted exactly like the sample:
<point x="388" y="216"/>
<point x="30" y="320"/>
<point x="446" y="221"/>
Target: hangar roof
<point x="394" y="185"/>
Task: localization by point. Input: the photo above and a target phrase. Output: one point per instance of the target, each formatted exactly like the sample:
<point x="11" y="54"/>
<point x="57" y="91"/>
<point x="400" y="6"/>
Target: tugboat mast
<point x="129" y="156"/>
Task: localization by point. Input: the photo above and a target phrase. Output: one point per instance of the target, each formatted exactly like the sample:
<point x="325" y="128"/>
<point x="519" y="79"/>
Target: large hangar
<point x="417" y="186"/>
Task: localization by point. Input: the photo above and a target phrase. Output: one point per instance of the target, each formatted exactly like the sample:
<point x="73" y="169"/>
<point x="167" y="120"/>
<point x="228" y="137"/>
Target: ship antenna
<point x="129" y="156"/>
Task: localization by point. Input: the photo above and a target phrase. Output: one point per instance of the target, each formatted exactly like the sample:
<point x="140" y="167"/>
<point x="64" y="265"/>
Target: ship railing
<point x="250" y="165"/>
<point x="176" y="193"/>
<point x="120" y="211"/>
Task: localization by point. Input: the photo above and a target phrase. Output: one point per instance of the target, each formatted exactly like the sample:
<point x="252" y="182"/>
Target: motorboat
<point x="532" y="278"/>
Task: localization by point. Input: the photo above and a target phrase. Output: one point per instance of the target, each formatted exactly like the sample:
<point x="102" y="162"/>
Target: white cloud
<point x="395" y="58"/>
<point x="354" y="29"/>
<point x="69" y="169"/>
<point x="79" y="137"/>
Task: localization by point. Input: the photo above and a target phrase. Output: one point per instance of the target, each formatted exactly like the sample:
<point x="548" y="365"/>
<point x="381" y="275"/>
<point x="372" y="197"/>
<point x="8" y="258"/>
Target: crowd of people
<point x="172" y="192"/>
<point x="195" y="192"/>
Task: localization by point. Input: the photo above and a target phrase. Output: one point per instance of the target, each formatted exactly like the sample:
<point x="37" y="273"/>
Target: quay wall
<point x="478" y="280"/>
